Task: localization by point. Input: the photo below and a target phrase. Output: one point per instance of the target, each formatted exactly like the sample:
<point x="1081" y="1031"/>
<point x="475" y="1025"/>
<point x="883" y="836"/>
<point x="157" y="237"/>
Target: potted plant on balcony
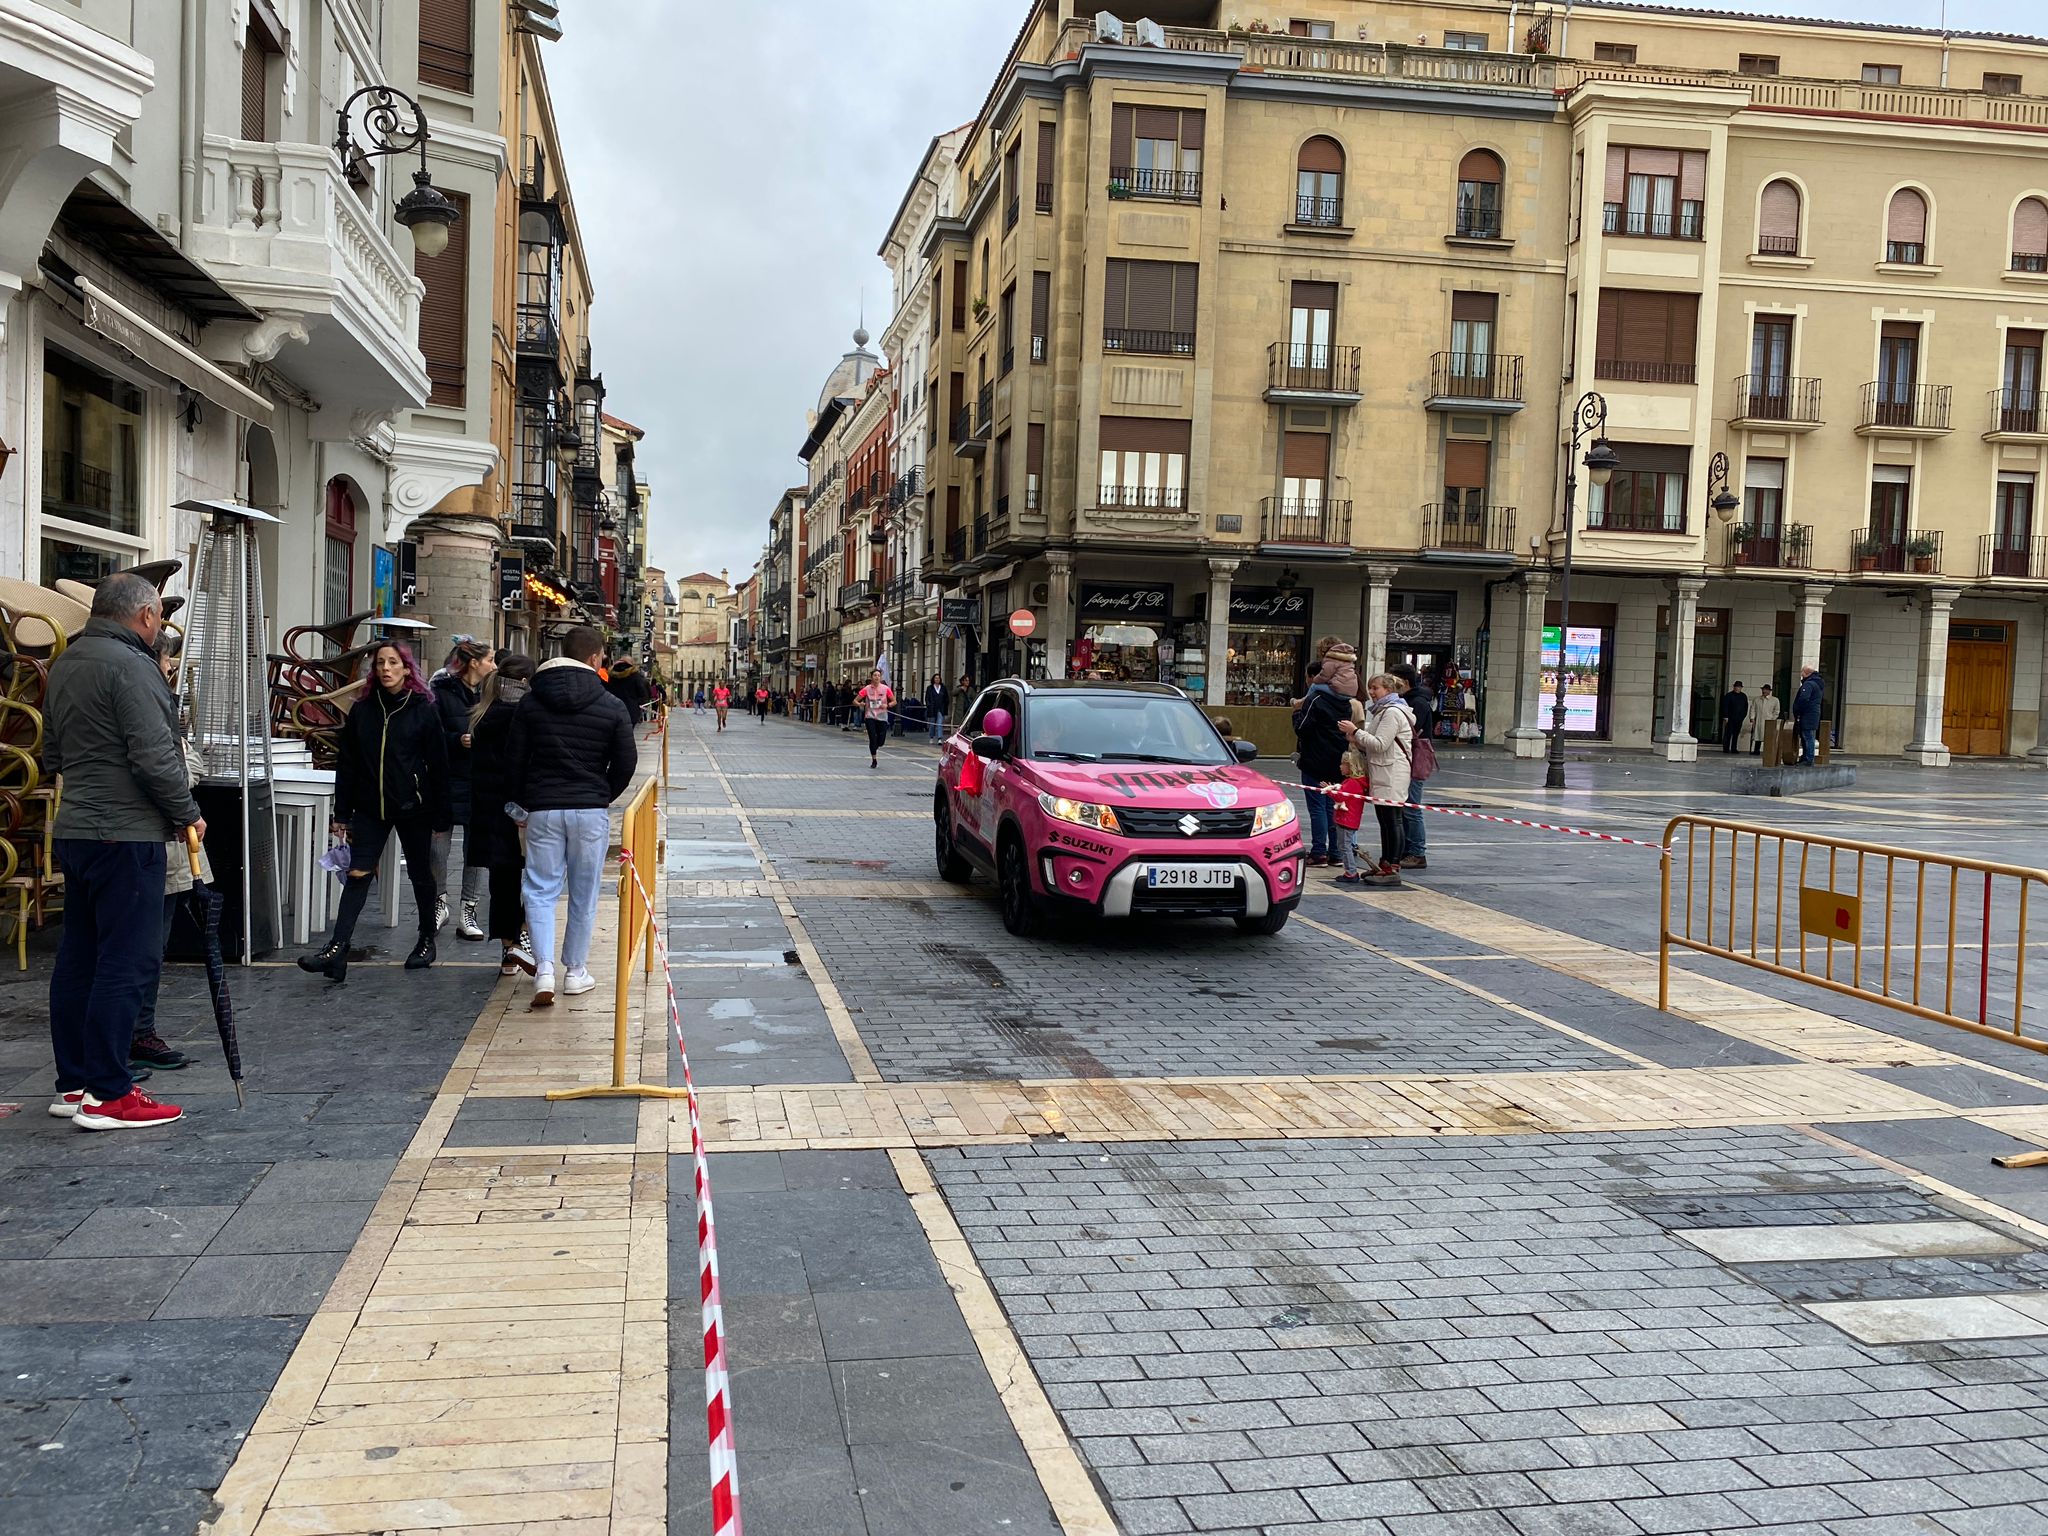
<point x="1923" y="550"/>
<point x="980" y="310"/>
<point x="1119" y="189"/>
<point x="1739" y="535"/>
<point x="1866" y="550"/>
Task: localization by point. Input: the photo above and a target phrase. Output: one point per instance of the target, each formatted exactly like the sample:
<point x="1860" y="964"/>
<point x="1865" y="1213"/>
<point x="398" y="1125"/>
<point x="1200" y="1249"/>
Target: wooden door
<point x="1973" y="721"/>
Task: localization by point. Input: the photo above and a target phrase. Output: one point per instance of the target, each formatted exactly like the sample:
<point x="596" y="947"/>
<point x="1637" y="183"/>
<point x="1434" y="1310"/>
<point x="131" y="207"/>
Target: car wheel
<point x="953" y="867"/>
<point x="1272" y="922"/>
<point x="1013" y="880"/>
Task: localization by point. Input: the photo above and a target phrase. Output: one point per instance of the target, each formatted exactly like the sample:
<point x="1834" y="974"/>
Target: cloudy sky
<point x="735" y="170"/>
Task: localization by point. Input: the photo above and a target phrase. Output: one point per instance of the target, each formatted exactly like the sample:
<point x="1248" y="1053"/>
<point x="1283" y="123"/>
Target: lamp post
<point x="1721" y="501"/>
<point x="386" y="131"/>
<point x="1590" y="416"/>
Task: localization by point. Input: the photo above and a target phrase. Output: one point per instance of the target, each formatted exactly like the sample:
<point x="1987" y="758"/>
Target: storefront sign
<point x="1023" y="622"/>
<point x="1113" y="601"/>
<point x="512" y="576"/>
<point x="960" y="610"/>
<point x="383" y="580"/>
<point x="1268" y="605"/>
<point x="1424" y="629"/>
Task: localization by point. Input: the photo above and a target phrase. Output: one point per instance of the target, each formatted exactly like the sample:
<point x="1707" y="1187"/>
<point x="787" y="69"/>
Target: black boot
<point x="330" y="961"/>
<point x="423" y="953"/>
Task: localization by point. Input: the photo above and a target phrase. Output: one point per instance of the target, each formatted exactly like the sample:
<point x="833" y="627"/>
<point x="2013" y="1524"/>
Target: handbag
<point x="1422" y="760"/>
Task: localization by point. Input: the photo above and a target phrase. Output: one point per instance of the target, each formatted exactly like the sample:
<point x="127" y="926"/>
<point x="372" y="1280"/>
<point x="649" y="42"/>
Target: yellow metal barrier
<point x="1759" y="897"/>
<point x="640" y="838"/>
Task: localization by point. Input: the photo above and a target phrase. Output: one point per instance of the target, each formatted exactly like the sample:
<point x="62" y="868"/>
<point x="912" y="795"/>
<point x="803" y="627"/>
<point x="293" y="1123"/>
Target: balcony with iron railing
<point x="1167" y="498"/>
<point x="1783" y="547"/>
<point x="956" y="546"/>
<point x="1905" y="253"/>
<point x="1318" y="212"/>
<point x="979" y="544"/>
<point x="1892" y="409"/>
<point x="856" y="594"/>
<point x="1152" y="343"/>
<point x="1468" y="529"/>
<point x="1777" y="400"/>
<point x="1144" y="182"/>
<point x="1888" y="550"/>
<point x="1475" y="381"/>
<point x="2019" y="557"/>
<point x="819" y="556"/>
<point x="1777" y="245"/>
<point x="2018" y="414"/>
<point x="1687" y="223"/>
<point x="1010" y="212"/>
<point x="901" y="590"/>
<point x="1621" y="370"/>
<point x="1044" y="202"/>
<point x="1316" y="522"/>
<point x="1299" y="373"/>
<point x="1477" y="221"/>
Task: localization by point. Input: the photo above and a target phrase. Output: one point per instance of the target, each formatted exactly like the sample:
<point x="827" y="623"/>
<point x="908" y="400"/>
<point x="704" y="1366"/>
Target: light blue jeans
<point x="1418" y="830"/>
<point x="564" y="850"/>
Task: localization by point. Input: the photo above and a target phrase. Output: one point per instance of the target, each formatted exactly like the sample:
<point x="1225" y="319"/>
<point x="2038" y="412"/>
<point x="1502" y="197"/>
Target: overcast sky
<point x="735" y="170"/>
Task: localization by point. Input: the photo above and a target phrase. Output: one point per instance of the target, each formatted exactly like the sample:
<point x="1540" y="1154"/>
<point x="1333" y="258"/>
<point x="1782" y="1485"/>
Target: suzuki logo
<point x="1189" y="824"/>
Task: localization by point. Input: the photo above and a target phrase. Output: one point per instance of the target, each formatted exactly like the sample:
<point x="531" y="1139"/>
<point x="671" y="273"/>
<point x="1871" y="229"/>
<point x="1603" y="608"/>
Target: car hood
<point x="1168" y="786"/>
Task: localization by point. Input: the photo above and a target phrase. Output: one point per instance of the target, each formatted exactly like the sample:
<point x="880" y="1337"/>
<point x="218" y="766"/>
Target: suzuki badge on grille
<point x="1189" y="824"/>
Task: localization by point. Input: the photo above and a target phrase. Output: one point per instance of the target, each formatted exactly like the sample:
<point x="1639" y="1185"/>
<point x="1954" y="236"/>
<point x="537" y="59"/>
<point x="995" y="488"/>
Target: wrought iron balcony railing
<point x="1156" y="343"/>
<point x="1909" y="407"/>
<point x="1142" y="181"/>
<point x="1782" y="547"/>
<point x="1468" y="528"/>
<point x="1293" y="365"/>
<point x="2006" y="554"/>
<point x="1881" y="548"/>
<point x="2023" y="411"/>
<point x="1317" y="520"/>
<point x="1475" y="376"/>
<point x="1168" y="497"/>
<point x="1777" y="397"/>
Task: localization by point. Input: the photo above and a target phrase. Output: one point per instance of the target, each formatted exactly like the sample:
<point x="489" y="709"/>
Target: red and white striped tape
<point x="1506" y="821"/>
<point x="725" y="1471"/>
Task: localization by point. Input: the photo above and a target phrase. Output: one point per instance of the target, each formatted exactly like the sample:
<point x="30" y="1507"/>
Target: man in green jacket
<point x="110" y="729"/>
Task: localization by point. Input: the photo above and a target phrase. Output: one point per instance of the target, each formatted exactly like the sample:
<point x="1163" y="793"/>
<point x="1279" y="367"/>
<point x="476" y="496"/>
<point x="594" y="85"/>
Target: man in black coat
<point x="572" y="754"/>
<point x="1734" y="710"/>
<point x="1806" y="707"/>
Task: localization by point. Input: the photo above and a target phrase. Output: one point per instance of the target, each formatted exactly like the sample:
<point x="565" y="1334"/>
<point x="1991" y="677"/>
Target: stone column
<point x="1372" y="659"/>
<point x="458" y="581"/>
<point x="2040" y="747"/>
<point x="1927" y="748"/>
<point x="1059" y="610"/>
<point x="1679" y="744"/>
<point x="1813" y="598"/>
<point x="1526" y="738"/>
<point x="1218" y="648"/>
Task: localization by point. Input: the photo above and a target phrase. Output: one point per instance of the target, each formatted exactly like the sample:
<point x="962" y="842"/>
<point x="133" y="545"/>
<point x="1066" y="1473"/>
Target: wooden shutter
<point x="1905" y="221"/>
<point x="1041" y="302"/>
<point x="1465" y="465"/>
<point x="1606" y="348"/>
<point x="1617" y="173"/>
<point x="960" y="295"/>
<point x="1692" y="176"/>
<point x="1121" y="137"/>
<point x="1158" y="123"/>
<point x="1144" y="434"/>
<point x="1475" y="306"/>
<point x="1314" y="296"/>
<point x="1653" y="162"/>
<point x="1048" y="132"/>
<point x="1034" y="448"/>
<point x="1480" y="165"/>
<point x="2030" y="228"/>
<point x="1151" y="295"/>
<point x="1305" y="456"/>
<point x="1191" y="128"/>
<point x="447" y="45"/>
<point x="1899" y="330"/>
<point x="1186" y="274"/>
<point x="1116" y="294"/>
<point x="444" y="311"/>
<point x="1322" y="154"/>
<point x="2025" y="341"/>
<point x="255" y="88"/>
<point x="1681" y="333"/>
<point x="1645" y="328"/>
<point x="1779" y="219"/>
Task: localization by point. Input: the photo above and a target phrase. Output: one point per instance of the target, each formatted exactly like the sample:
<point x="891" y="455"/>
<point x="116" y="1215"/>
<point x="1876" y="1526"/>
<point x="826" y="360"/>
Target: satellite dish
<point x="1108" y="28"/>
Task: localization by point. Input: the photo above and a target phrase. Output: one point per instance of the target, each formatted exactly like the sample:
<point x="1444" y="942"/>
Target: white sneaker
<point x="522" y="956"/>
<point x="544" y="986"/>
<point x="468" y="927"/>
<point x="578" y="982"/>
<point x="65" y="1105"/>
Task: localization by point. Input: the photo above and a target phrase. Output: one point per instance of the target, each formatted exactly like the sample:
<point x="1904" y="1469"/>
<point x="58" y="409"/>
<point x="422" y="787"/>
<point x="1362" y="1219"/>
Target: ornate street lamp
<point x="1601" y="462"/>
<point x="386" y="131"/>
<point x="1722" y="500"/>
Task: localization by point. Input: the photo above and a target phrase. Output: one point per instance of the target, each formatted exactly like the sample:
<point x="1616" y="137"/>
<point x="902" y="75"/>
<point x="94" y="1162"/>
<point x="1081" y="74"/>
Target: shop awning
<point x="160" y="350"/>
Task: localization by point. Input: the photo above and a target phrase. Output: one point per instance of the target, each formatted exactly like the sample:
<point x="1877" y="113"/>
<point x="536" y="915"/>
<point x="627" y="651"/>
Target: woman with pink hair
<point x="391" y="776"/>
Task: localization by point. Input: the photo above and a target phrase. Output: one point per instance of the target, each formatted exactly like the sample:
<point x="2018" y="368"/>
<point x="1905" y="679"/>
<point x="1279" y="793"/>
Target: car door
<point x="978" y="815"/>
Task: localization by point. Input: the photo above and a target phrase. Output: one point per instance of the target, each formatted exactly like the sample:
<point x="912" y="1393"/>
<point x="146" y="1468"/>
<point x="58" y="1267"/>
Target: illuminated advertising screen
<point x="1583" y="659"/>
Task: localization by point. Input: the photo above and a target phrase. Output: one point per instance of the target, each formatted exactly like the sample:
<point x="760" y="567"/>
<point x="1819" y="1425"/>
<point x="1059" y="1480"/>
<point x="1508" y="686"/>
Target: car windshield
<point x="1087" y="726"/>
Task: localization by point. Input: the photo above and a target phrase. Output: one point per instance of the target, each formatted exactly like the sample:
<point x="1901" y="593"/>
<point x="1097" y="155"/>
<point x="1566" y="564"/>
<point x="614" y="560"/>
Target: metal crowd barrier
<point x="1810" y="907"/>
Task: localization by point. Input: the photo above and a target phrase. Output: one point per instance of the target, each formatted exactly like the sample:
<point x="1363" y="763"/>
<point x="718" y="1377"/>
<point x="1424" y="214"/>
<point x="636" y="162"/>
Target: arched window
<point x="1319" y="183"/>
<point x="1479" y="178"/>
<point x="1905" y="229"/>
<point x="2030" y="236"/>
<point x="1777" y="225"/>
<point x="981" y="294"/>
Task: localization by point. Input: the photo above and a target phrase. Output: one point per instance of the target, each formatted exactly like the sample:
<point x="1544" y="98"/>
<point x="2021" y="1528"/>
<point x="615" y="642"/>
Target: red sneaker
<point x="132" y="1110"/>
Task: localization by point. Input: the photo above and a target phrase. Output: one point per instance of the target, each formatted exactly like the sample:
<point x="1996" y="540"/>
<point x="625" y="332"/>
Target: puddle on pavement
<point x="735" y="956"/>
<point x="706" y="858"/>
<point x="733" y="1008"/>
<point x="852" y="863"/>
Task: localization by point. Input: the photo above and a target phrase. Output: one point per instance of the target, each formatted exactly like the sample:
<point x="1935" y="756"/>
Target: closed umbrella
<point x="210" y="904"/>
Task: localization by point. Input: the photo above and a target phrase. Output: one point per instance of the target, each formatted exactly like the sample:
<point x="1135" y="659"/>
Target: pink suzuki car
<point x="1113" y="799"/>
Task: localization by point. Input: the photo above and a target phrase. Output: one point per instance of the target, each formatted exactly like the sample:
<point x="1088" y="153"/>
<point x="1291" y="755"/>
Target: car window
<point x="1086" y="725"/>
<point x="994" y="698"/>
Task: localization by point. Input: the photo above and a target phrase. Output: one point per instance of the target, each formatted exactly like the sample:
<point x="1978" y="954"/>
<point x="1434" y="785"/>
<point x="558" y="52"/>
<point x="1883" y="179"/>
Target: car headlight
<point x="1270" y="818"/>
<point x="1079" y="812"/>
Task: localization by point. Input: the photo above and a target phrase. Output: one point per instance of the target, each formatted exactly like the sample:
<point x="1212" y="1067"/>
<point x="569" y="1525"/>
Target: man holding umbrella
<point x="110" y="729"/>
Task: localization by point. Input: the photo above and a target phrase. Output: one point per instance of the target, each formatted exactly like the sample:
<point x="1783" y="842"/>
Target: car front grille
<point x="1149" y="821"/>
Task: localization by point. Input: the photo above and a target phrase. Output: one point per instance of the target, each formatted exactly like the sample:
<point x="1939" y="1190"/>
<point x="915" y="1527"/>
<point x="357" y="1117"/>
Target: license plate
<point x="1190" y="877"/>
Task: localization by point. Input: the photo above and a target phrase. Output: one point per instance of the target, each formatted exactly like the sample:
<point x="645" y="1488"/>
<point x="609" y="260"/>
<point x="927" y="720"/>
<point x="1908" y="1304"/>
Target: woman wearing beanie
<point x="391" y="776"/>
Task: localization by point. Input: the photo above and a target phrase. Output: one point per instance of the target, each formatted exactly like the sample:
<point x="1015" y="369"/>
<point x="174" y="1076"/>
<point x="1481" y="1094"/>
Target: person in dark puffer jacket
<point x="572" y="754"/>
<point x="457" y="687"/>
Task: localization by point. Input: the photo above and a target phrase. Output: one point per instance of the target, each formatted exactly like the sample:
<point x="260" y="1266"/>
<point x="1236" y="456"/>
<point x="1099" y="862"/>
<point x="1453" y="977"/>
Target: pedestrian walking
<point x="571" y="754"/>
<point x="1422" y="704"/>
<point x="935" y="709"/>
<point x="698" y="701"/>
<point x="1734" y="716"/>
<point x="1806" y="709"/>
<point x="455" y="694"/>
<point x="109" y="727"/>
<point x="628" y="684"/>
<point x="1761" y="722"/>
<point x="876" y="700"/>
<point x="1348" y="810"/>
<point x="1387" y="739"/>
<point x="492" y="838"/>
<point x="1319" y="744"/>
<point x="390" y="776"/>
<point x="721" y="698"/>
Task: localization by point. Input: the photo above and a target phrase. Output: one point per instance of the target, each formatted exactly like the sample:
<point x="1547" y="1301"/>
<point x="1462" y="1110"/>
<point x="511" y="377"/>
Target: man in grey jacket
<point x="110" y="729"/>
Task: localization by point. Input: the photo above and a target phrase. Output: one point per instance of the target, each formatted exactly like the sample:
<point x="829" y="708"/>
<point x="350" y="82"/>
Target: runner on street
<point x="876" y="700"/>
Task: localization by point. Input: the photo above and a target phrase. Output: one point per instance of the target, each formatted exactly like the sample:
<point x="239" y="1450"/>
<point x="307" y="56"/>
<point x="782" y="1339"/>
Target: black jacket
<point x="629" y="686"/>
<point x="393" y="760"/>
<point x="1422" y="704"/>
<point x="454" y="699"/>
<point x="1316" y="733"/>
<point x="934" y="701"/>
<point x="493" y="837"/>
<point x="571" y="746"/>
<point x="1734" y="707"/>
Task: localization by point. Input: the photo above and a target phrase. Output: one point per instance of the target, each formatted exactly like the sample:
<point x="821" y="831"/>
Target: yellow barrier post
<point x="1839" y="917"/>
<point x="639" y="836"/>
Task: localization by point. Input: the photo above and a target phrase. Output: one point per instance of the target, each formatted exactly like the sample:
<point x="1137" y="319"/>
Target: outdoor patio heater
<point x="224" y="681"/>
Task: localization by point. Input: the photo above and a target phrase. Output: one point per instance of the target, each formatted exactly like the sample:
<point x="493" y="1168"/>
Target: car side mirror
<point x="994" y="748"/>
<point x="1246" y="750"/>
